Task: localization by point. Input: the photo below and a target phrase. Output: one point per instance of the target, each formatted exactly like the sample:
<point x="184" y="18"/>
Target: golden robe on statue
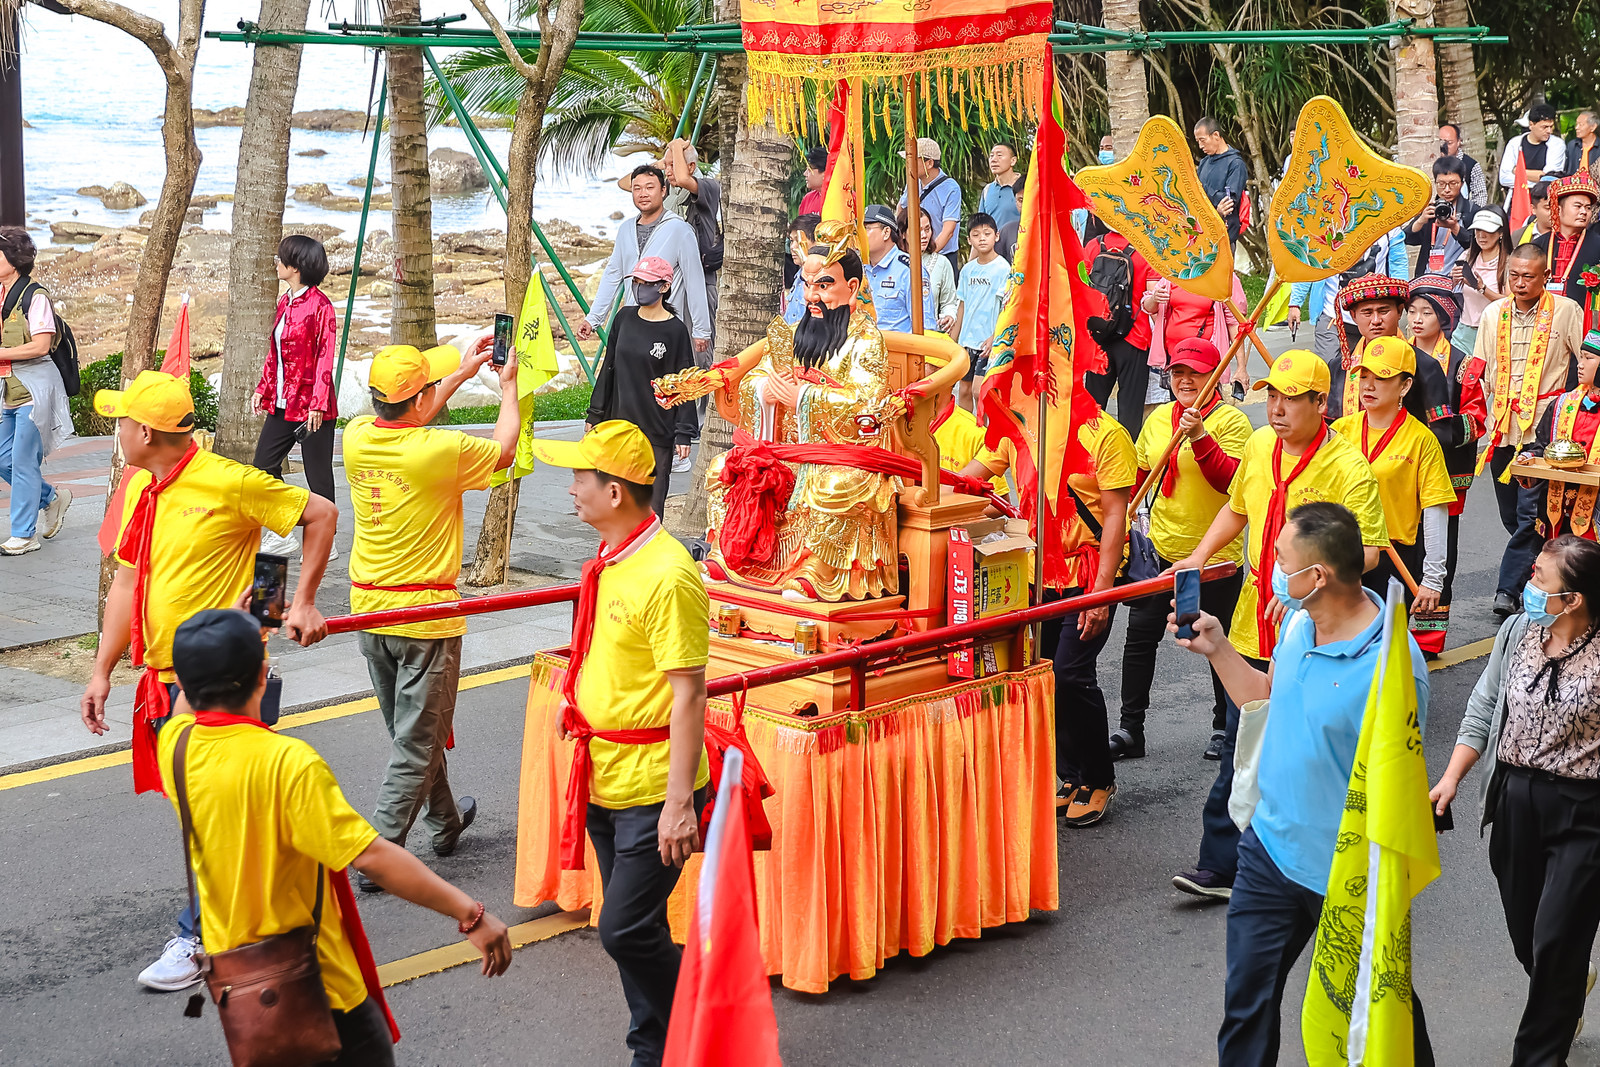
<point x="837" y="538"/>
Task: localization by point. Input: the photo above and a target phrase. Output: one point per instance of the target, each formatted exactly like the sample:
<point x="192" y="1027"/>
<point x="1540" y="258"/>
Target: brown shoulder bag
<point x="270" y="996"/>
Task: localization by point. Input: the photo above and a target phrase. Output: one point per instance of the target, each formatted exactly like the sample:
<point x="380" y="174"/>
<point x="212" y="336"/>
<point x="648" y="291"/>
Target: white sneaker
<point x="20" y="546"/>
<point x="333" y="553"/>
<point x="176" y="969"/>
<point x="682" y="465"/>
<point x="54" y="515"/>
<point x="272" y="544"/>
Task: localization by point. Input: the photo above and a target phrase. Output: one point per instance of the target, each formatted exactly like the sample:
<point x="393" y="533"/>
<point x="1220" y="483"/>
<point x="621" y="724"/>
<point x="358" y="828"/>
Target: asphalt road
<point x="1127" y="972"/>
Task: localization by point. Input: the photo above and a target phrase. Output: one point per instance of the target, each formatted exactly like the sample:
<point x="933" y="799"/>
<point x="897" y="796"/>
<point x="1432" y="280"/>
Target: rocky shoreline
<point x="338" y="119"/>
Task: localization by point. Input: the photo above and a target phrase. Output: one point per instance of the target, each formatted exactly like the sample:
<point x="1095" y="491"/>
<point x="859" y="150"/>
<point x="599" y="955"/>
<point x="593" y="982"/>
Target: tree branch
<point x="513" y="56"/>
<point x="142" y="27"/>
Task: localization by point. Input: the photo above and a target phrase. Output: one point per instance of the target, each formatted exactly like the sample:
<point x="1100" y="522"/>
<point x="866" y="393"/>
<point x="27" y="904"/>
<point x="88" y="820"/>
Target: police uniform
<point x="891" y="290"/>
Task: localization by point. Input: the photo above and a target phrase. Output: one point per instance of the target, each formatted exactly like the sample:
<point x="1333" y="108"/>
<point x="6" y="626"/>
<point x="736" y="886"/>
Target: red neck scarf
<point x="151" y="700"/>
<point x="349" y="916"/>
<point x="572" y="720"/>
<point x="1383" y="442"/>
<point x="1169" y="477"/>
<point x="135" y="547"/>
<point x="1277" y="508"/>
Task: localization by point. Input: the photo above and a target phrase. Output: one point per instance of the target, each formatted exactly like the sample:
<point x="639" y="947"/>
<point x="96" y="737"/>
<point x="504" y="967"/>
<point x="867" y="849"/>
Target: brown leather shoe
<point x="1089" y="806"/>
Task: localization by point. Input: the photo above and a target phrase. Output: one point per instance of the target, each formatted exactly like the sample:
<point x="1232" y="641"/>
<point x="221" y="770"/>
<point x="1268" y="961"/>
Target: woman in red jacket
<point x="296" y="388"/>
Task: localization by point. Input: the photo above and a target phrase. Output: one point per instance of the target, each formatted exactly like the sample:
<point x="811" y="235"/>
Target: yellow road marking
<point x="300" y="718"/>
<point x="1472" y="651"/>
<point x="441" y="959"/>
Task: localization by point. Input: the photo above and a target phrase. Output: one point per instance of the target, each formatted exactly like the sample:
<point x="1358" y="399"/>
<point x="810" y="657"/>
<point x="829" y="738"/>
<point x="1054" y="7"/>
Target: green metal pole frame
<point x="699" y="72"/>
<point x="498" y="184"/>
<point x="698" y="119"/>
<point x="361" y="238"/>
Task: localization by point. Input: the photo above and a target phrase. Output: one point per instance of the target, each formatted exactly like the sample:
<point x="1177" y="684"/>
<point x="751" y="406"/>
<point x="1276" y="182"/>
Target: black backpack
<point x="707" y="234"/>
<point x="64" y="347"/>
<point x="1112" y="277"/>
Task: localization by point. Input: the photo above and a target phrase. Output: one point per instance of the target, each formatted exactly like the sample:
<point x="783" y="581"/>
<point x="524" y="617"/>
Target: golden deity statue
<point x="823" y="382"/>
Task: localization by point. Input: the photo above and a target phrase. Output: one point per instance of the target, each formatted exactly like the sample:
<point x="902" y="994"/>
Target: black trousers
<point x="1083" y="734"/>
<point x="1147" y="629"/>
<point x="633" y="923"/>
<point x="364" y="1037"/>
<point x="1129" y="371"/>
<point x="1544" y="849"/>
<point x="277" y="438"/>
<point x="665" y="454"/>
<point x="1219" y="837"/>
<point x="1377" y="579"/>
<point x="1519" y="514"/>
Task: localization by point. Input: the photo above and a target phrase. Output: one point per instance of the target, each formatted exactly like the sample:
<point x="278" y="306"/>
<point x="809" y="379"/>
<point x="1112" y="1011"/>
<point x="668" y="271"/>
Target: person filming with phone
<point x="406" y="482"/>
<point x="1316" y="686"/>
<point x="190" y="526"/>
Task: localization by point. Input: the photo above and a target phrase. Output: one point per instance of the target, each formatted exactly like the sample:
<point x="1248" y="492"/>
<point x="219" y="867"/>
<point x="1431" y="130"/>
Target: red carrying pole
<point x="454" y="609"/>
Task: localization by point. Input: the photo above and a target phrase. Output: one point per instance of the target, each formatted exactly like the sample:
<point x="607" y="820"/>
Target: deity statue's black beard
<point x="818" y="339"/>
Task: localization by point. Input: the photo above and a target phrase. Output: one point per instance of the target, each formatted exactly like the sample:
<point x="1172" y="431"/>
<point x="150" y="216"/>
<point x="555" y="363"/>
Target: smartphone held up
<point x="1186" y="600"/>
<point x="505" y="328"/>
<point x="269" y="589"/>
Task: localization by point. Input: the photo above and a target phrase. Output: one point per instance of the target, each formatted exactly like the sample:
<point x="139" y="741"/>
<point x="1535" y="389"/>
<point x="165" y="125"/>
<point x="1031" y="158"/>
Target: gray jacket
<point x="1486" y="711"/>
<point x="675" y="242"/>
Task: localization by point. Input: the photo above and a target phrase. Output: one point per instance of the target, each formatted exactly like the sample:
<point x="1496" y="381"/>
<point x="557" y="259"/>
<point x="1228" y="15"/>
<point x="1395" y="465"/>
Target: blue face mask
<point x="1280" y="586"/>
<point x="1536" y="602"/>
<point x="1107" y="156"/>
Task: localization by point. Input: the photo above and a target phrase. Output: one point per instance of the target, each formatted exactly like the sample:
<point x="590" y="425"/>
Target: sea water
<point x="94" y="97"/>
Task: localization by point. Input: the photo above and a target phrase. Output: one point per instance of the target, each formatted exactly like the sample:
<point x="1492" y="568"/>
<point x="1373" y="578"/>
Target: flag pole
<point x="913" y="235"/>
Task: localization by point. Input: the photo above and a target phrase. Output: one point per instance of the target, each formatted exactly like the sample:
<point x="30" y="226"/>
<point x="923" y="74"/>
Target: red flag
<point x="176" y="362"/>
<point x="722" y="1013"/>
<point x="1042" y="343"/>
<point x="1521" y="206"/>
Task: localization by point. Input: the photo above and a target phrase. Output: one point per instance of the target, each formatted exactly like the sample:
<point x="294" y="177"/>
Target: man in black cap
<point x="888" y="270"/>
<point x="267" y="821"/>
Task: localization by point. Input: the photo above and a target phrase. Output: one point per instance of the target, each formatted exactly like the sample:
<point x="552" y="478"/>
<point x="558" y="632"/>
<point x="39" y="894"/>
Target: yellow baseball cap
<point x="153" y="399"/>
<point x="1296" y="371"/>
<point x="615" y="447"/>
<point x="400" y="372"/>
<point x="1388" y="356"/>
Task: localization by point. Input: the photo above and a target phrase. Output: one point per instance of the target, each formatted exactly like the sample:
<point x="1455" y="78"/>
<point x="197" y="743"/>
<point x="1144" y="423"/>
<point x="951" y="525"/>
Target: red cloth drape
<point x="1268" y="556"/>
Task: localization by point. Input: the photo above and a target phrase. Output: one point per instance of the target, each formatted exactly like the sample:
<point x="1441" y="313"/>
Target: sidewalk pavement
<point x="53" y="593"/>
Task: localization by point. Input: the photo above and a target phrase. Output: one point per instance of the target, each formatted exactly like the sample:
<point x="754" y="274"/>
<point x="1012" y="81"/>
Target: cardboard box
<point x="987" y="578"/>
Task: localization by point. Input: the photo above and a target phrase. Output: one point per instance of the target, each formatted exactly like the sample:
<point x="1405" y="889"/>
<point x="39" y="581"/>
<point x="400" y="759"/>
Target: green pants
<point x="416" y="680"/>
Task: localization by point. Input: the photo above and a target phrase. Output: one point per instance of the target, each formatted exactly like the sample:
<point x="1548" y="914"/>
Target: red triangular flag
<point x="176" y="362"/>
<point x="111" y="522"/>
<point x="722" y="1013"/>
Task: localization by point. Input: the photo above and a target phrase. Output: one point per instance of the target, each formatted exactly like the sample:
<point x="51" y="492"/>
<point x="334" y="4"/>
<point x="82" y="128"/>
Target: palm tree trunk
<point x="412" y="320"/>
<point x="757" y="176"/>
<point x="493" y="556"/>
<point x="1462" y="105"/>
<point x="1416" y="90"/>
<point x="260" y="189"/>
<point x="1127" y="89"/>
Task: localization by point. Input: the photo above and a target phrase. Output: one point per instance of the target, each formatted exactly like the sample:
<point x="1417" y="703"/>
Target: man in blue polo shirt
<point x="941" y="199"/>
<point x="1322" y="668"/>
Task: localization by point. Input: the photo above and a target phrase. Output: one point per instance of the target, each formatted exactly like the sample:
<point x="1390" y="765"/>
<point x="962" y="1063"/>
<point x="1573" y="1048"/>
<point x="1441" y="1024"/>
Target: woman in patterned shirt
<point x="1535" y="715"/>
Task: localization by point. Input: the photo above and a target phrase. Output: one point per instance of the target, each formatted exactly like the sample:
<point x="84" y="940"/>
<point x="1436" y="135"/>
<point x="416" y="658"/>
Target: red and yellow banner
<point x="990" y="51"/>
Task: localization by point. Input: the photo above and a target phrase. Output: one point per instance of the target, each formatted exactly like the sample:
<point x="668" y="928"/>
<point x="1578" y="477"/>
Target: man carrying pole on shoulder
<point x="1295" y="459"/>
<point x="406" y="480"/>
<point x="635" y="702"/>
<point x="191" y="526"/>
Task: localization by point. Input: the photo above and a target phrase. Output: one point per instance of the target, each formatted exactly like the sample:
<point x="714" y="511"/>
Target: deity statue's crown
<point x="838" y="237"/>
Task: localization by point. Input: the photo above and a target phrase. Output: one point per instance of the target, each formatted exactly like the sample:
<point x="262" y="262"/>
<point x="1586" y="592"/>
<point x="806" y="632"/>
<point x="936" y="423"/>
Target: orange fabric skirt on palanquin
<point x="897" y="828"/>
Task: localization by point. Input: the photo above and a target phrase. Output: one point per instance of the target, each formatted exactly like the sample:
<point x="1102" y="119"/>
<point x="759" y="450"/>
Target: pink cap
<point x="652" y="269"/>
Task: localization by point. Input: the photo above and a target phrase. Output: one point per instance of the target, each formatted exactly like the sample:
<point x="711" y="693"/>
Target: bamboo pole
<point x="908" y="103"/>
<point x="1206" y="390"/>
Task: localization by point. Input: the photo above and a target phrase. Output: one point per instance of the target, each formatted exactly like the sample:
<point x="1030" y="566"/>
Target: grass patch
<point x="569" y="403"/>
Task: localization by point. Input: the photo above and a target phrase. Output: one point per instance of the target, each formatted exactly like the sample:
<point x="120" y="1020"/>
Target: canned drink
<point x="729" y="620"/>
<point x="806" y="642"/>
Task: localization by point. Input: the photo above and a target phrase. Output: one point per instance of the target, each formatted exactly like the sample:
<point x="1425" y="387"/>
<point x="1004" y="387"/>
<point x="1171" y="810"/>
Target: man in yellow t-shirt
<point x="1094" y="533"/>
<point x="1295" y="459"/>
<point x="1193" y="488"/>
<point x="406" y="480"/>
<point x="273" y="833"/>
<point x="191" y="525"/>
<point x="1408" y="461"/>
<point x="642" y="667"/>
<point x="960" y="440"/>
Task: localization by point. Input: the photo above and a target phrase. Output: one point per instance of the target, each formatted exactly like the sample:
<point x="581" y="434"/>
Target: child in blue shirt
<point x="979" y="294"/>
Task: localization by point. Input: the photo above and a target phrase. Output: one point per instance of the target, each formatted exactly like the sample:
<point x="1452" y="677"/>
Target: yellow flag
<point x="536" y="364"/>
<point x="1358" y="1001"/>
